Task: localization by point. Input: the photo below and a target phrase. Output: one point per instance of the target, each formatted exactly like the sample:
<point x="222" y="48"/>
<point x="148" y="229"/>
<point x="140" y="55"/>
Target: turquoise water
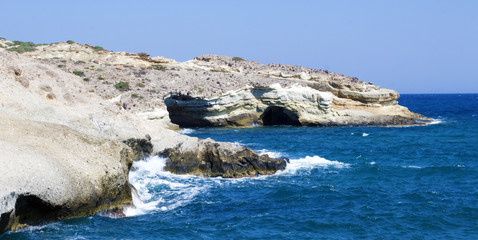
<point x="342" y="183"/>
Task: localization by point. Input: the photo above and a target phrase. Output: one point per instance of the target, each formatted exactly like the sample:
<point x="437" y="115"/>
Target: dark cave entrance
<point x="279" y="116"/>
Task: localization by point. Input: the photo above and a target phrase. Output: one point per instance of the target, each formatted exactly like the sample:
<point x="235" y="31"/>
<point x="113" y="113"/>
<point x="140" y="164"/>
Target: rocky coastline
<point x="74" y="117"/>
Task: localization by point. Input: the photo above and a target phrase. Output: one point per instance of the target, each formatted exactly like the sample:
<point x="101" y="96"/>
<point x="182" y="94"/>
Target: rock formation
<point x="213" y="159"/>
<point x="274" y="105"/>
<point x="73" y="117"/>
<point x="66" y="152"/>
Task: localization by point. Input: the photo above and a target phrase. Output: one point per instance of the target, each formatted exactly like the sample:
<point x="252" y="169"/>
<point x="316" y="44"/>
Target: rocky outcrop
<point x="213" y="159"/>
<point x="73" y="117"/>
<point x="274" y="105"/>
<point x="51" y="172"/>
<point x="66" y="152"/>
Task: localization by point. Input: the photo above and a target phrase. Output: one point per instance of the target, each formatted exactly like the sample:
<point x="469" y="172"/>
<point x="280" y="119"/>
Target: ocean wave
<point x="365" y="134"/>
<point x="412" y="166"/>
<point x="308" y="163"/>
<point x="159" y="190"/>
<point x="186" y="131"/>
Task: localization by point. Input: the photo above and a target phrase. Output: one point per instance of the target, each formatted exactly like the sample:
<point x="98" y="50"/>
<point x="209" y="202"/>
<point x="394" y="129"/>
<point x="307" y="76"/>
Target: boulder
<point x="213" y="159"/>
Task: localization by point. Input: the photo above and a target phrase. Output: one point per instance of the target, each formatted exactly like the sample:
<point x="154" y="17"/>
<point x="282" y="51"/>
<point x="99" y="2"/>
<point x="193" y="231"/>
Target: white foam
<point x="186" y="131"/>
<point x="308" y="163"/>
<point x="270" y="153"/>
<point x="159" y="190"/>
<point x="373" y="163"/>
<point x="436" y="121"/>
<point x="365" y="134"/>
<point x="412" y="166"/>
<point x="238" y="144"/>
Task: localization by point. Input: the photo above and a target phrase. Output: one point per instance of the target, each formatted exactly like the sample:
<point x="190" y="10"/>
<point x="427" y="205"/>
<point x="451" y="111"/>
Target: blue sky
<point x="410" y="46"/>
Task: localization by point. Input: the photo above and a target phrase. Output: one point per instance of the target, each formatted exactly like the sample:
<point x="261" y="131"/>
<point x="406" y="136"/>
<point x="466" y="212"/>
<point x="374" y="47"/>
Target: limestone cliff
<point x="66" y="152"/>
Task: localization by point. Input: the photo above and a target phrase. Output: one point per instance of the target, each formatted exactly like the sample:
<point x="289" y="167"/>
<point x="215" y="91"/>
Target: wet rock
<point x="213" y="159"/>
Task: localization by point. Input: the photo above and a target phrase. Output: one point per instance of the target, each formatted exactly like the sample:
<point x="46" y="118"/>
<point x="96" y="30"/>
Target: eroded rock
<point x="213" y="159"/>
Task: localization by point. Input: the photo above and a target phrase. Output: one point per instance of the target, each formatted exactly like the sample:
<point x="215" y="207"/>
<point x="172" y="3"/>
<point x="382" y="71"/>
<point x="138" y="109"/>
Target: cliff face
<point x="258" y="105"/>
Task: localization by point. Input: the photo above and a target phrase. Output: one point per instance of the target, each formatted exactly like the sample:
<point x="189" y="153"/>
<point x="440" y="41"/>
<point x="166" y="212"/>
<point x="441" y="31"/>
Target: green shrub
<point x="122" y="86"/>
<point x="10" y="44"/>
<point x="79" y="73"/>
<point x="101" y="78"/>
<point x="98" y="48"/>
<point x="238" y="59"/>
<point x="70" y="42"/>
<point x="21" y="47"/>
<point x="160" y="68"/>
<point x="140" y="85"/>
<point x="99" y="70"/>
<point x="86" y="79"/>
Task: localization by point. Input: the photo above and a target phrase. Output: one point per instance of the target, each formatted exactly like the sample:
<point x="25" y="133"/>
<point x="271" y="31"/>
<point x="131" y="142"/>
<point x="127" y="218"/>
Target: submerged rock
<point x="214" y="159"/>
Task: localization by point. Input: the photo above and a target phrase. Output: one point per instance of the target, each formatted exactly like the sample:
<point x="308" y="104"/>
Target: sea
<point x="416" y="182"/>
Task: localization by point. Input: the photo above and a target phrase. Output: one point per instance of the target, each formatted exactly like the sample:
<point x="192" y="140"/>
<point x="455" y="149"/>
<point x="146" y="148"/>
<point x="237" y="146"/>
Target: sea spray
<point x="159" y="190"/>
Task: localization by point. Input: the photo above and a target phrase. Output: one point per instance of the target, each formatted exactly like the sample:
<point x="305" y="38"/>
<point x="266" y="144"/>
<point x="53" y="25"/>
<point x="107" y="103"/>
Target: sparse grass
<point x="99" y="70"/>
<point x="140" y="85"/>
<point x="79" y="73"/>
<point x="238" y="59"/>
<point x="135" y="95"/>
<point x="98" y="48"/>
<point x="21" y="47"/>
<point x="70" y="42"/>
<point x="122" y="86"/>
<point x="198" y="88"/>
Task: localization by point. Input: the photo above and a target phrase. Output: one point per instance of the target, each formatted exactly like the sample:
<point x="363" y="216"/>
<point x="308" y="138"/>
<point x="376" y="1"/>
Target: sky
<point x="416" y="46"/>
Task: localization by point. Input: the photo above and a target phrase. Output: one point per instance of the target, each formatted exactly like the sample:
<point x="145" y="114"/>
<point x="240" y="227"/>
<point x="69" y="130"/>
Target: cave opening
<point x="279" y="116"/>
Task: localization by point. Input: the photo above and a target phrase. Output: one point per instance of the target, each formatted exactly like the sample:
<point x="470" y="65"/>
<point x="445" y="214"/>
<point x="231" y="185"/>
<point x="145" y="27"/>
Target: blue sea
<point x="342" y="183"/>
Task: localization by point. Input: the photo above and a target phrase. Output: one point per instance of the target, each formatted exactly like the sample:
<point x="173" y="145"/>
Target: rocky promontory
<point x="74" y="117"/>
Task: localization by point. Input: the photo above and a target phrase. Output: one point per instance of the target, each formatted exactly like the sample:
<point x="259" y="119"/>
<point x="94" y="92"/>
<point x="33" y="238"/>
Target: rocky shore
<point x="74" y="117"/>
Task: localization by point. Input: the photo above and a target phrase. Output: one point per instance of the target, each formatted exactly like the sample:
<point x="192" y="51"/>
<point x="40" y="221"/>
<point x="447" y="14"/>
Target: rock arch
<point x="274" y="115"/>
